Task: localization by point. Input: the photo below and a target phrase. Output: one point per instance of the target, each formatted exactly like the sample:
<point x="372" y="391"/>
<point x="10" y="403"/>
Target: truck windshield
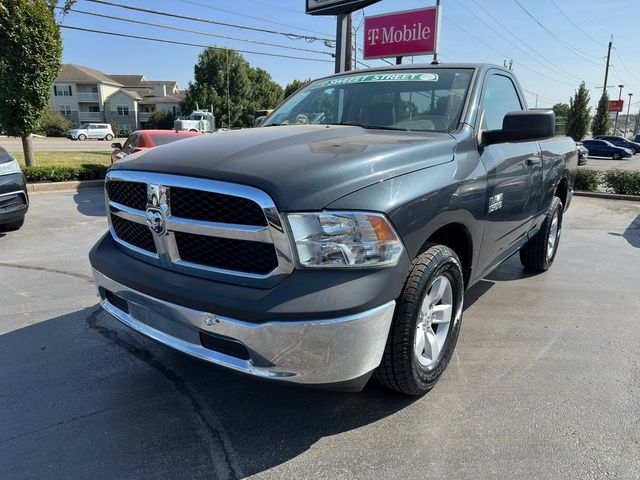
<point x="426" y="100"/>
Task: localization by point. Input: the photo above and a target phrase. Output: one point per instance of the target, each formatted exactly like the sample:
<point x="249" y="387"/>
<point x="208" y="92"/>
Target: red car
<point x="143" y="139"/>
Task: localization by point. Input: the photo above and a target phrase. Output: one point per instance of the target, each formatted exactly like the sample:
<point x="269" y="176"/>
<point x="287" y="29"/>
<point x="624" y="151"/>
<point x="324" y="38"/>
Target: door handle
<point x="531" y="161"/>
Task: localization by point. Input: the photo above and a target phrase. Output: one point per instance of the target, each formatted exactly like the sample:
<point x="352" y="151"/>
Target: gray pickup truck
<point x="337" y="240"/>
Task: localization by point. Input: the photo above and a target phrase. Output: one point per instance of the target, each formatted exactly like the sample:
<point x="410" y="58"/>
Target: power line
<point x="189" y="44"/>
<point x="624" y="65"/>
<point x="558" y="39"/>
<point x="246" y="16"/>
<point x="559" y="70"/>
<point x="197" y="32"/>
<point x="479" y="40"/>
<point x="308" y="38"/>
<point x="576" y="25"/>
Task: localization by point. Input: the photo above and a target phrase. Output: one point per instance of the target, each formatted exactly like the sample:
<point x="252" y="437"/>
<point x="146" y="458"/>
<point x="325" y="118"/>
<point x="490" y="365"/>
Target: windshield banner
<point x="381" y="77"/>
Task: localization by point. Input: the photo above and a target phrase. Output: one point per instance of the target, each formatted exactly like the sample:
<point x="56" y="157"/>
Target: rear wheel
<point x="109" y="137"/>
<point x="540" y="251"/>
<point x="426" y="324"/>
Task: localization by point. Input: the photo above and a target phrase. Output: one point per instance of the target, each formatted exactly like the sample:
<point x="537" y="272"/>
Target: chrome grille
<point x="196" y="226"/>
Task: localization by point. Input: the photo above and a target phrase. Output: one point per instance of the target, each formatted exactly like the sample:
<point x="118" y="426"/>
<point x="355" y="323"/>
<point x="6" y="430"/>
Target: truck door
<point x="514" y="176"/>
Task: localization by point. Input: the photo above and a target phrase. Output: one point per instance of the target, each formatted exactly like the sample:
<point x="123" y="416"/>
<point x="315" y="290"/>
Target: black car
<point x="637" y="138"/>
<point x="14" y="200"/>
<point x="602" y="148"/>
<point x="620" y="142"/>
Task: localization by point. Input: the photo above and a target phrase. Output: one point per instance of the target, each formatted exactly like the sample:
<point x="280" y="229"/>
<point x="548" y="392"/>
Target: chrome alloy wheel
<point x="434" y="321"/>
<point x="554" y="236"/>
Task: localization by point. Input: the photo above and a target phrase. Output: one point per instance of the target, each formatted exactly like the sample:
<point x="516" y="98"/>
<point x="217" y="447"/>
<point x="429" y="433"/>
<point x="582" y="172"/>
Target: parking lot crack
<point x="48" y="270"/>
<point x="221" y="451"/>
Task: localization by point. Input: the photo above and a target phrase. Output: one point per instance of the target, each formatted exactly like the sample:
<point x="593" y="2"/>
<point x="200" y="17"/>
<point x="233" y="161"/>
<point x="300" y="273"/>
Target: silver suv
<point x="101" y="131"/>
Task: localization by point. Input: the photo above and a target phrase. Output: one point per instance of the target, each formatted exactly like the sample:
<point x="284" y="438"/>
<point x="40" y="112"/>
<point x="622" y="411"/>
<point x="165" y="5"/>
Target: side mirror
<point x="523" y="125"/>
<point x="259" y="121"/>
<point x="117" y="145"/>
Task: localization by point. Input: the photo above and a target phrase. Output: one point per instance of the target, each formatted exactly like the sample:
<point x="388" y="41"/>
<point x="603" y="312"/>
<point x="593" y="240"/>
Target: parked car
<point x="143" y="139"/>
<point x="603" y="148"/>
<point x="14" y="199"/>
<point x="322" y="253"/>
<point x="583" y="153"/>
<point x="98" y="131"/>
<point x="637" y="138"/>
<point x="620" y="142"/>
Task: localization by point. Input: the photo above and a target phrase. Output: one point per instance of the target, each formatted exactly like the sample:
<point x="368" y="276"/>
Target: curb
<point x="608" y="196"/>
<point x="64" y="186"/>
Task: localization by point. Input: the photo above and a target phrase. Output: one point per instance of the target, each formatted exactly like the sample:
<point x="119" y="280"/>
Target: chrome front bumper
<point x="308" y="352"/>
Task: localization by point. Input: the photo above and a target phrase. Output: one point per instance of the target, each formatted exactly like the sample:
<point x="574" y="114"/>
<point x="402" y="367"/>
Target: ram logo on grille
<point x="157" y="208"/>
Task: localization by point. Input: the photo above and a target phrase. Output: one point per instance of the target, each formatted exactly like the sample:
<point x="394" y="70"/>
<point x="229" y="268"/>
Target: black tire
<point x="10" y="227"/>
<point x="400" y="368"/>
<point x="109" y="137"/>
<point x="536" y="254"/>
<point x="616" y="156"/>
<point x="82" y="137"/>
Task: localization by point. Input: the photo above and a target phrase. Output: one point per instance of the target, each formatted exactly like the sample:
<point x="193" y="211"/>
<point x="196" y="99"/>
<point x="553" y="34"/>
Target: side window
<point x="132" y="142"/>
<point x="500" y="97"/>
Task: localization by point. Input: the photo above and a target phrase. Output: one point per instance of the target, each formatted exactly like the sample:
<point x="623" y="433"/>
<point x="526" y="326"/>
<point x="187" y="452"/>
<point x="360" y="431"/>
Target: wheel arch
<point x="458" y="238"/>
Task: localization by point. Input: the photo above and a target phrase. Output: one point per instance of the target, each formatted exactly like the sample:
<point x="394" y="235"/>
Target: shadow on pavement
<point x="631" y="234"/>
<point x="83" y="397"/>
<point x="90" y="202"/>
<point x="511" y="269"/>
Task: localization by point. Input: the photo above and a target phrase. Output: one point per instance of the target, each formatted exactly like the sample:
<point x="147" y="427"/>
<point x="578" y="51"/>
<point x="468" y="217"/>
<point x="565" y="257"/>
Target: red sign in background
<point x="412" y="32"/>
<point x="616" y="105"/>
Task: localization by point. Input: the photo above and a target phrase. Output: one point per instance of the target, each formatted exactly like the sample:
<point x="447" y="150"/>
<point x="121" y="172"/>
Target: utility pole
<point x="626" y="122"/>
<point x="637" y="128"/>
<point x="606" y="71"/>
<point x="615" y="125"/>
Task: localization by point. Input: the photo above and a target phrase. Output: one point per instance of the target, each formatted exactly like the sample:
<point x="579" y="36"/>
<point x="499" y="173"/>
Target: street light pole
<point x="626" y="122"/>
<point x="615" y="125"/>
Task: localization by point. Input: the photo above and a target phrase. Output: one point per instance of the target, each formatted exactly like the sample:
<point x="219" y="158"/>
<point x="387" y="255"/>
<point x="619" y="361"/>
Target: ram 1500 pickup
<point x="337" y="240"/>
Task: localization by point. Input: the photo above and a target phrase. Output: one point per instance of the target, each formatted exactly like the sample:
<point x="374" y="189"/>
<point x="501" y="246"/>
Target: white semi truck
<point x="199" y="121"/>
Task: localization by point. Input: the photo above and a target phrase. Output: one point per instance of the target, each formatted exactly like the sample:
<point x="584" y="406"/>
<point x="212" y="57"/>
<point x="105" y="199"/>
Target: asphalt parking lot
<point x="544" y="383"/>
<point x="603" y="164"/>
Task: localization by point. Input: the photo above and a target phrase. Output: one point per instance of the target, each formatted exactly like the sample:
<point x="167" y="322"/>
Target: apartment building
<point x="87" y="95"/>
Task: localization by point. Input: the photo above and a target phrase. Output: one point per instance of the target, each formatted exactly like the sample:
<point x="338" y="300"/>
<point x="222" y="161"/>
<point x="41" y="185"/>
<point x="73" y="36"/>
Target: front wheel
<point x="540" y="251"/>
<point x="82" y="137"/>
<point x="426" y="324"/>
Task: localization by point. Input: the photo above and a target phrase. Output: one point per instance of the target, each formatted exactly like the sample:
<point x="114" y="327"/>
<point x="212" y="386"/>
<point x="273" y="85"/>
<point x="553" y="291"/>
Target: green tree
<point x="249" y="89"/>
<point x="294" y="86"/>
<point x="578" y="115"/>
<point x="161" y="120"/>
<point x="30" y="57"/>
<point x="54" y="124"/>
<point x="601" y="122"/>
<point x="562" y="112"/>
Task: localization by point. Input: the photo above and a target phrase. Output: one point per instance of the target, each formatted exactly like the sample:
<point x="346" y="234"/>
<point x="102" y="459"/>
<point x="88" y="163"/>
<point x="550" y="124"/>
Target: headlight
<point x="344" y="239"/>
<point x="8" y="168"/>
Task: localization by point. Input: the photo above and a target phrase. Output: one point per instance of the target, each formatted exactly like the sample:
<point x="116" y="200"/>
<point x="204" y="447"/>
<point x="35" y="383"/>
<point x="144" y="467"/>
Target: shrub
<point x="161" y="120"/>
<point x="54" y="124"/>
<point x="587" y="180"/>
<point x="624" y="182"/>
<point x="59" y="173"/>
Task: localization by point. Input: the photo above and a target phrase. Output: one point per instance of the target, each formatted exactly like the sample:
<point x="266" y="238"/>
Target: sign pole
<point x="342" y="42"/>
<point x="435" y="53"/>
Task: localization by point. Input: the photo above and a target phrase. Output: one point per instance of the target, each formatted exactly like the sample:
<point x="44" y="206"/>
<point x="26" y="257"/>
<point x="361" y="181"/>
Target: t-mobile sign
<point x="412" y="32"/>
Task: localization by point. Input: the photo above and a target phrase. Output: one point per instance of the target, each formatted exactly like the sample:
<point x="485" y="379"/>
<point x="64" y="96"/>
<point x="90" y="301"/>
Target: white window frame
<point x="62" y="90"/>
<point x="121" y="109"/>
<point x="65" y="110"/>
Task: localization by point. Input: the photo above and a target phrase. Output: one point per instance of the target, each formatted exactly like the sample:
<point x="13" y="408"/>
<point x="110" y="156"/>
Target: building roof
<point x="77" y="74"/>
<point x="132" y="93"/>
<point x="169" y="98"/>
<point x="128" y="80"/>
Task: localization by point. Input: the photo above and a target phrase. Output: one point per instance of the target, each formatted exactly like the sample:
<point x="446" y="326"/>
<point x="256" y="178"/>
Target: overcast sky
<point x="550" y="62"/>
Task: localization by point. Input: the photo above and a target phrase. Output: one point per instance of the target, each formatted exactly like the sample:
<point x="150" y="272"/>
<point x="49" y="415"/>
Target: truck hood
<point x="300" y="167"/>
